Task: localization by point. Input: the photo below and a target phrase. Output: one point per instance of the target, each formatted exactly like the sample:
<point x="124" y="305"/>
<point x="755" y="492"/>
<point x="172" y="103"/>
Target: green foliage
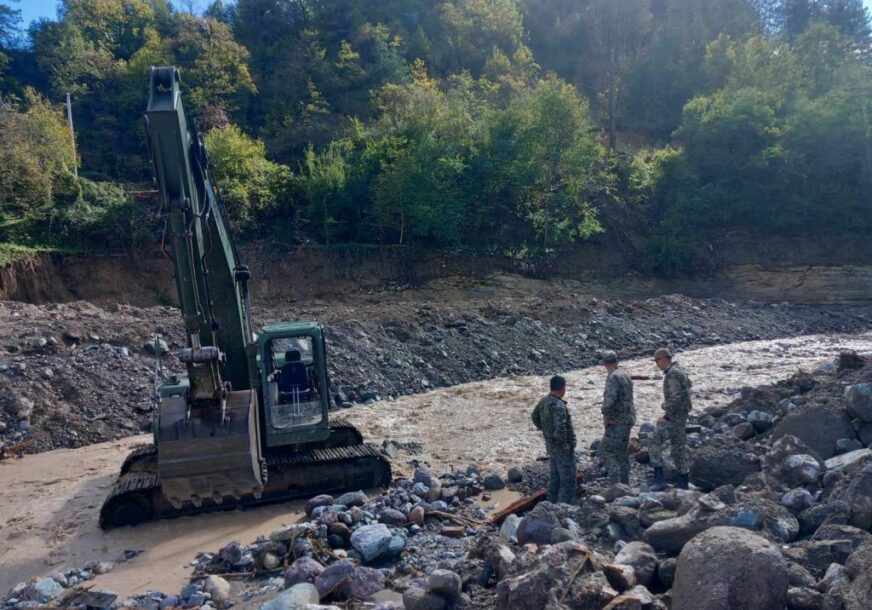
<point x="250" y="185"/>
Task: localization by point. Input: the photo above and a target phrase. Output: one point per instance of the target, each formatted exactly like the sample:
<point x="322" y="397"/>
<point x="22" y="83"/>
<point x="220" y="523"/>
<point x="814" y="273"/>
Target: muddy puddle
<point x="49" y="502"/>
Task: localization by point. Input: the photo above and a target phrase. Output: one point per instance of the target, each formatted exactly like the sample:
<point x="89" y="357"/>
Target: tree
<point x="9" y="20"/>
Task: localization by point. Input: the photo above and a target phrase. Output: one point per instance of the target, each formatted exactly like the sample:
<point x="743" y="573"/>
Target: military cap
<point x="608" y="357"/>
<point x="663" y="352"/>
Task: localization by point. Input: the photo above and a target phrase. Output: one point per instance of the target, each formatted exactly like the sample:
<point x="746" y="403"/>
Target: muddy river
<point x="49" y="502"/>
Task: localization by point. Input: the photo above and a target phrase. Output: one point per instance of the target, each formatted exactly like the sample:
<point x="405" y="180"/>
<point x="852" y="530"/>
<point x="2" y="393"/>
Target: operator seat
<point x="293" y="379"/>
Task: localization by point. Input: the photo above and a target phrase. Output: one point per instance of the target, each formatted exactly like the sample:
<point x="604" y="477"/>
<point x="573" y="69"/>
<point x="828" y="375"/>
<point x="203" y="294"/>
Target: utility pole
<point x="72" y="135"/>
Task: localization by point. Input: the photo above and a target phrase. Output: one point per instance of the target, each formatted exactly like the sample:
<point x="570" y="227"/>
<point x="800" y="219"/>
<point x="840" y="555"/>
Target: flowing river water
<point x="49" y="502"/>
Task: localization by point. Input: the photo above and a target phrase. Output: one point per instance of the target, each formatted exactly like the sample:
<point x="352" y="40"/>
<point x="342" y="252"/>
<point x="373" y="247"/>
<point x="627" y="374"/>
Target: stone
<point x="642" y="558"/>
<point x="340" y="529"/>
<point x="295" y="598"/>
<point x="532" y="587"/>
<point x="515" y="475"/>
<point x="391" y="516"/>
<point x="847" y="445"/>
<point x="365" y="582"/>
<point x="636" y="598"/>
<point x="628" y="519"/>
<point x="619" y="490"/>
<point x="415" y="598"/>
<point x="802" y="469"/>
<point x="715" y="465"/>
<point x="621" y="577"/>
<point x="751" y="574"/>
<point x="761" y="420"/>
<point x="811" y="519"/>
<point x="317" y="501"/>
<point x="422" y="475"/>
<point x="395" y="547"/>
<point x="218" y="588"/>
<point x="232" y="553"/>
<point x="445" y="583"/>
<point x="752" y="513"/>
<point x="858" y="401"/>
<point x="25" y="409"/>
<point x="842" y="461"/>
<point x="331" y="578"/>
<point x="856" y="491"/>
<point x="744" y="431"/>
<point x="509" y="528"/>
<point x="416" y="515"/>
<point x="304" y="569"/>
<point x="804" y="598"/>
<point x="158" y="347"/>
<point x="797" y="499"/>
<point x="835" y="572"/>
<point x="798" y="576"/>
<point x="371" y="540"/>
<point x="818" y="427"/>
<point x="420" y="490"/>
<point x="666" y="571"/>
<point x="854" y="535"/>
<point x="44" y="590"/>
<point x="494" y="482"/>
<point x="270" y="561"/>
<point x="865" y="435"/>
<point x="561" y="534"/>
<point x="537" y="525"/>
<point x="352" y="498"/>
<point x="817" y="555"/>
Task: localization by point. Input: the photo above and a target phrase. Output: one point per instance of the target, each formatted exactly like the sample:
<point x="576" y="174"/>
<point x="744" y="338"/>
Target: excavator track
<point x="137" y="496"/>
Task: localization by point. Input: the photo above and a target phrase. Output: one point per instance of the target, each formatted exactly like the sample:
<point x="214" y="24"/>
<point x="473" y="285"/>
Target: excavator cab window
<point x="294" y="383"/>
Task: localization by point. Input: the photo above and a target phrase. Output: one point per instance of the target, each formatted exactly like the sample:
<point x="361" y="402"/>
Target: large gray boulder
<point x="295" y="598"/>
<point x="727" y="568"/>
<point x="751" y="513"/>
<point x="819" y="427"/>
<point x="858" y="401"/>
<point x="371" y="541"/>
<point x="642" y="558"/>
<point x="538" y="524"/>
<point x="720" y="464"/>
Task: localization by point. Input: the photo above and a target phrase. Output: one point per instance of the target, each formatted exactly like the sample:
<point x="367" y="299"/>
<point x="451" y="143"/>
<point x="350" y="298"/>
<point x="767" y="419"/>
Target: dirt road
<point x="49" y="502"/>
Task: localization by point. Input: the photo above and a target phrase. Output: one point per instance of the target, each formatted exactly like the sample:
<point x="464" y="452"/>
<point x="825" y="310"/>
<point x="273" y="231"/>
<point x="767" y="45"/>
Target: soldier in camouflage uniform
<point x="619" y="415"/>
<point x="552" y="417"/>
<point x="671" y="427"/>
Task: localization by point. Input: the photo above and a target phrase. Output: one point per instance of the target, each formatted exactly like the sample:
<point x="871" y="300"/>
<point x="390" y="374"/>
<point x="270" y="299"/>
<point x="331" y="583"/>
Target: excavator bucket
<point x="204" y="455"/>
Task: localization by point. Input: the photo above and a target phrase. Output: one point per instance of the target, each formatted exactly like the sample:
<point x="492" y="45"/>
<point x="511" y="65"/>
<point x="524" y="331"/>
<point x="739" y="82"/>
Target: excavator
<point x="250" y="421"/>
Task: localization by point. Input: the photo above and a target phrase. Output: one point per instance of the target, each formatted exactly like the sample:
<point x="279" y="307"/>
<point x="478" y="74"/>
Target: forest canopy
<point x="516" y="127"/>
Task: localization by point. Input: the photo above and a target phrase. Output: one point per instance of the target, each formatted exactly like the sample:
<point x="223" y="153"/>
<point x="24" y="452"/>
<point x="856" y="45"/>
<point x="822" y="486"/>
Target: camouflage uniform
<point x="552" y="417"/>
<point x="676" y="404"/>
<point x="619" y="412"/>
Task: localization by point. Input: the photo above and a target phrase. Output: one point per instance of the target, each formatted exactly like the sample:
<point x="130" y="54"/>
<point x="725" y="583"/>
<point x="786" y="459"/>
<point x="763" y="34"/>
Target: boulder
<point x="515" y="475"/>
<point x="621" y="577"/>
<point x="44" y="590"/>
<point x="553" y="570"/>
<point x="855" y="489"/>
<point x="391" y="516"/>
<point x="666" y="571"/>
<point x="642" y="558"/>
<point x="858" y="401"/>
<point x="218" y="588"/>
<point x="802" y="469"/>
<point x="494" y="482"/>
<point x="637" y="598"/>
<point x="304" y="569"/>
<point x="332" y="577"/>
<point x="365" y="582"/>
<point x="416" y="598"/>
<point x="352" y="498"/>
<point x="752" y="513"/>
<point x="537" y="525"/>
<point x="804" y="598"/>
<point x="371" y="540"/>
<point x="727" y="568"/>
<point x="818" y="426"/>
<point x="295" y="598"/>
<point x="716" y="464"/>
<point x="846" y="459"/>
<point x="784" y="469"/>
<point x="628" y="519"/>
<point x="445" y="583"/>
<point x="797" y="499"/>
<point x="847" y="445"/>
<point x="865" y="435"/>
<point x="817" y="555"/>
<point x="837" y="512"/>
<point x="317" y="501"/>
<point x="509" y="528"/>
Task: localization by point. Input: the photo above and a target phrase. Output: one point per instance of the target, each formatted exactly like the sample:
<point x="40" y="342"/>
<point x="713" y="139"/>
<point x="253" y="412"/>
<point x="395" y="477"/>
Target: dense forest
<point x="516" y="127"/>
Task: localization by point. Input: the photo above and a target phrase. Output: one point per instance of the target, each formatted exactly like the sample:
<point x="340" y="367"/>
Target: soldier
<point x="671" y="427"/>
<point x="619" y="415"/>
<point x="552" y="417"/>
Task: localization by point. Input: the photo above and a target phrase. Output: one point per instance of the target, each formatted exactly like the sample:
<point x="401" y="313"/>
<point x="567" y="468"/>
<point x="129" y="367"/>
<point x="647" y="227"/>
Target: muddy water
<point x="49" y="501"/>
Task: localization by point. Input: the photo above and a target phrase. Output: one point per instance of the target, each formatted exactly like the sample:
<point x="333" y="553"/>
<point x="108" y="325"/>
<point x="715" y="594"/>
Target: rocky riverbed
<point x="779" y="515"/>
<point x="76" y="373"/>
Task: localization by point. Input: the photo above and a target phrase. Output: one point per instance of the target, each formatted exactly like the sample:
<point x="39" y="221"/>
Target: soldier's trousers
<point x="672" y="432"/>
<point x="561" y="479"/>
<point x="615" y="452"/>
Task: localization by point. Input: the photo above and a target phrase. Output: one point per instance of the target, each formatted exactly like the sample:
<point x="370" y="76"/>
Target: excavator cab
<point x="296" y="393"/>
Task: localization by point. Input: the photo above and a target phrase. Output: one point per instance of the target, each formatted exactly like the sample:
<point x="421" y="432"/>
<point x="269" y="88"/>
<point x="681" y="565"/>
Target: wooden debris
<point x="525" y="504"/>
<point x="7" y="453"/>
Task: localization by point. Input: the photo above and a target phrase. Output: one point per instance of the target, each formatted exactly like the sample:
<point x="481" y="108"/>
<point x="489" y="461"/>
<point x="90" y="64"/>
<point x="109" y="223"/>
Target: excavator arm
<point x="212" y="284"/>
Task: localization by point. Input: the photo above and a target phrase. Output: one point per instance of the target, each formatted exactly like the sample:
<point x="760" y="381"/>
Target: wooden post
<point x="72" y="135"/>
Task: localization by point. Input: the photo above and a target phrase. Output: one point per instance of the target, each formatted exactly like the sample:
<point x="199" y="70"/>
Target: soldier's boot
<point x="682" y="481"/>
<point x="659" y="482"/>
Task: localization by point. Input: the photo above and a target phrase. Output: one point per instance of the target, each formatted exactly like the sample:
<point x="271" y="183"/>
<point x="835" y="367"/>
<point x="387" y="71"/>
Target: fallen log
<point x="526" y="504"/>
<point x="14" y="451"/>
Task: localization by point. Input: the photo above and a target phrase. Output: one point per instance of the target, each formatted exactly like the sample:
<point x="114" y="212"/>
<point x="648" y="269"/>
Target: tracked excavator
<point x="250" y="422"/>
